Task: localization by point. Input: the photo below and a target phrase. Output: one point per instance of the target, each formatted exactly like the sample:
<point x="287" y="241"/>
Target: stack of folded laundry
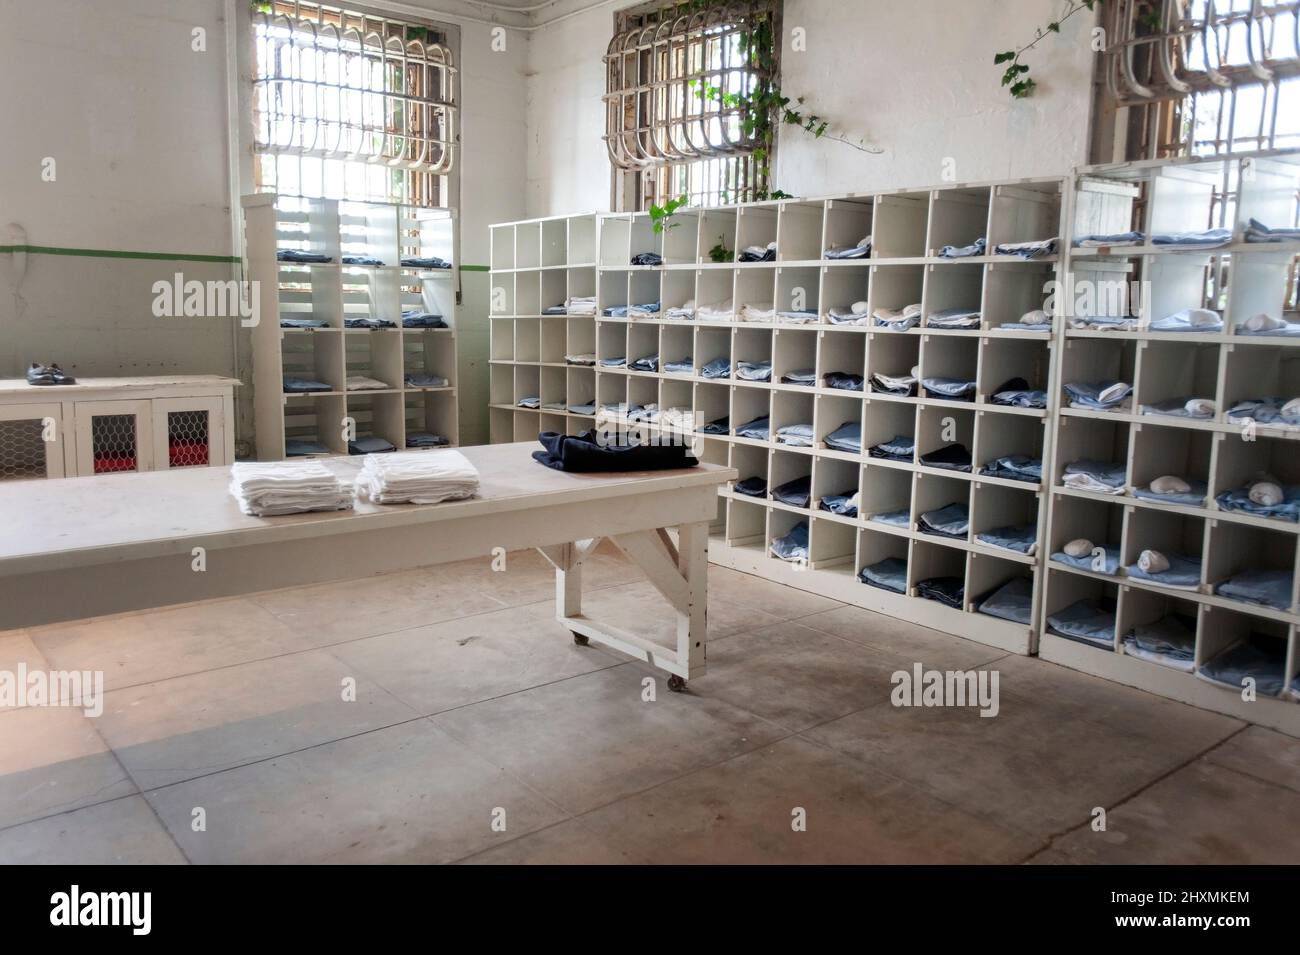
<point x="287" y="487"/>
<point x="855" y="314"/>
<point x="427" y="477"/>
<point x="581" y="305"/>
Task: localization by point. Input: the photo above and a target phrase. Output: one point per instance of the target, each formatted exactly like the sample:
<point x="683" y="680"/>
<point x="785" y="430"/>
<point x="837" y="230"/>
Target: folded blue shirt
<point x="1268" y="588"/>
<point x="1087" y="621"/>
<point x="1192" y="498"/>
<point x="1183" y="572"/>
<point x="1258" y="657"/>
<point x="796" y="435"/>
<point x="1107" y="562"/>
<point x="1013" y="601"/>
<point x="1239" y="500"/>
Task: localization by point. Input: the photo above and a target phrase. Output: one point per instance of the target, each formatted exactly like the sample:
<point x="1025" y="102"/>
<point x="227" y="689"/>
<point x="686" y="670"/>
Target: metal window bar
<point x="661" y="122"/>
<point x="352" y="105"/>
<point x="1208" y="77"/>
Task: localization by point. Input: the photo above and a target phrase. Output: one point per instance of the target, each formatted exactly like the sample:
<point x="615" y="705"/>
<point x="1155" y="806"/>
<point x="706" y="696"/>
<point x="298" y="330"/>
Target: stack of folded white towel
<point x="287" y="487"/>
<point x="417" y="477"/>
<point x="580" y="305"/>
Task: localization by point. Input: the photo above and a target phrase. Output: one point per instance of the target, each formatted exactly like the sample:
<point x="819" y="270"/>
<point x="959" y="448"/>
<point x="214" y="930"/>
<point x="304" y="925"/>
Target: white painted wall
<point x="137" y="124"/>
<point x="915" y="78"/>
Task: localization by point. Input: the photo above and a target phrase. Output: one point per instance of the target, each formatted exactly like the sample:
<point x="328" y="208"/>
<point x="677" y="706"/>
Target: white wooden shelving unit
<point x="335" y="292"/>
<point x="909" y="228"/>
<point x="536" y="265"/>
<point x="1240" y="280"/>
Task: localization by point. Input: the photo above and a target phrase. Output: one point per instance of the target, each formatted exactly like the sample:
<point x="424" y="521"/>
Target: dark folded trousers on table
<point x="582" y="452"/>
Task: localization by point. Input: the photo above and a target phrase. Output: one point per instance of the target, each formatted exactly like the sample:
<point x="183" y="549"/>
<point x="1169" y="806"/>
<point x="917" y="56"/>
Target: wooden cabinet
<point x="115" y="425"/>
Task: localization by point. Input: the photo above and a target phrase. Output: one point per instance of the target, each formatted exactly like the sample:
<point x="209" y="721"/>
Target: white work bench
<point x="90" y="546"/>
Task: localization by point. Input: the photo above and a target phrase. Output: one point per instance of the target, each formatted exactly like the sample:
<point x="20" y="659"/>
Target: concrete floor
<point x="473" y="705"/>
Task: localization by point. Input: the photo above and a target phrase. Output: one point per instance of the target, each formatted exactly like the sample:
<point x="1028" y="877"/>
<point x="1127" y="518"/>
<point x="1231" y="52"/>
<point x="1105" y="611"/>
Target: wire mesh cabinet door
<point x="114" y="437"/>
<point x="31" y="441"/>
<point x="188" y="432"/>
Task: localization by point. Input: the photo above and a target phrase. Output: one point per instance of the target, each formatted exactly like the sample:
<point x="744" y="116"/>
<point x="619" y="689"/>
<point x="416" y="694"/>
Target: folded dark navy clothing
<point x="898" y="448"/>
<point x="297" y="255"/>
<point x="721" y="426"/>
<point x="298" y="447"/>
<point x="425" y="439"/>
<point x="843" y="380"/>
<point x="844" y="504"/>
<point x="647" y="258"/>
<point x="795" y="493"/>
<point x="583" y="453"/>
<point x="953" y="457"/>
<point x="949" y="591"/>
<point x="368" y="323"/>
<point x="888" y="574"/>
<point x="371" y="445"/>
<point x="304" y="323"/>
<point x="751" y="487"/>
<point x="360" y="260"/>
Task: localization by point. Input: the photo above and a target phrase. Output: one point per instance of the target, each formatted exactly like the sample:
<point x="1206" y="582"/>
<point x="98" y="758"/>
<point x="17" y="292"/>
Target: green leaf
<point x="1003" y="57"/>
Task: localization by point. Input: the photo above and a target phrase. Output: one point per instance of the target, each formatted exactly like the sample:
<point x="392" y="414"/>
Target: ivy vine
<point x="1016" y="75"/>
<point x="760" y="108"/>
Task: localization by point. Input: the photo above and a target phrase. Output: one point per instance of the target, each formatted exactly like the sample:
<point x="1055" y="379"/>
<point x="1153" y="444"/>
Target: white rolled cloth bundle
<point x="1153" y="562"/>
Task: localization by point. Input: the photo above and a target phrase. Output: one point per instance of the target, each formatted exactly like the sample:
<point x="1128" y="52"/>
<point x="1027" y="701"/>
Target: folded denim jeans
<point x="1208" y="238"/>
<point x="754" y="370"/>
<point x="803" y="376"/>
<point x="303" y="385"/>
<point x="1105" y="562"/>
<point x="1015" y="467"/>
<point x="648" y="363"/>
<point x="1098" y="395"/>
<point x="720" y="426"/>
<point x="717" y="368"/>
<point x="1201" y="409"/>
<point x="903" y="385"/>
<point x="952" y="457"/>
<point x="954" y="318"/>
<point x="759" y="429"/>
<point x="1017" y="393"/>
<point x="751" y="487"/>
<point x="683" y="366"/>
<point x="843" y="381"/>
<point x="1027" y="250"/>
<point x="796" y="435"/>
<point x="847" y="437"/>
<point x="952" y="520"/>
<point x="796" y="493"/>
<point x="1256" y="231"/>
<point x="899" y="518"/>
<point x="964" y="251"/>
<point x="1097" y="240"/>
<point x="898" y="448"/>
<point x="845" y="504"/>
<point x="888" y="574"/>
<point x="951" y="389"/>
<point x="1021" y="538"/>
<point x="793" y="546"/>
<point x="949" y="591"/>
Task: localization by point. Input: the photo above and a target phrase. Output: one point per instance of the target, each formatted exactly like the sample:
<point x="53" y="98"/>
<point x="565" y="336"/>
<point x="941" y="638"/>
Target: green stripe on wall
<point x="165" y="256"/>
<point x="119" y="254"/>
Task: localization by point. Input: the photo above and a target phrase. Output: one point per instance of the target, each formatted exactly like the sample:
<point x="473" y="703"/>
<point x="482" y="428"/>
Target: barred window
<point x="350" y="105"/>
<point x="1199" y="78"/>
<point x="669" y="126"/>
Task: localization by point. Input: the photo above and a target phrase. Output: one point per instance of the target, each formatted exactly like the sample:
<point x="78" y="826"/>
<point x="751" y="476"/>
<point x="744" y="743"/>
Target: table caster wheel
<point x="676" y="683"/>
<point x="580" y="639"/>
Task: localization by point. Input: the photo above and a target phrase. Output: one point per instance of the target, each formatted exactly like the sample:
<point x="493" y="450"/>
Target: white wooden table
<point x="89" y="546"/>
